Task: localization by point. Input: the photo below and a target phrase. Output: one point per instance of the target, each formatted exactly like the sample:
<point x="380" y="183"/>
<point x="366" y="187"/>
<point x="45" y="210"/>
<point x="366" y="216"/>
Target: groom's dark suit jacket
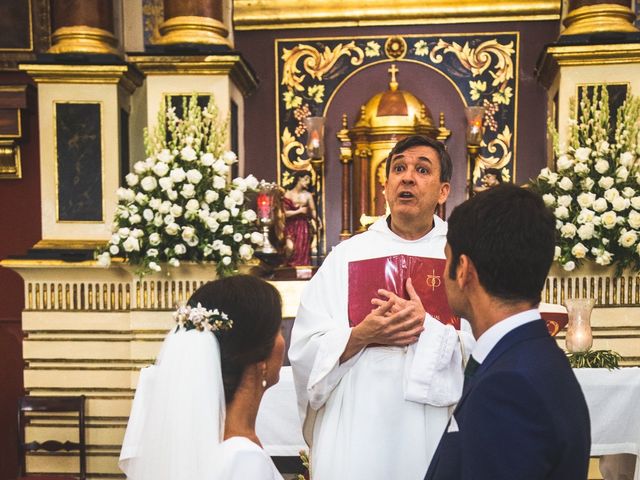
<point x="522" y="416"/>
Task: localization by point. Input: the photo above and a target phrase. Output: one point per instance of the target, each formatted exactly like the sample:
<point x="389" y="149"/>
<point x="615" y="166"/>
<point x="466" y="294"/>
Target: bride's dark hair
<point x="256" y="310"/>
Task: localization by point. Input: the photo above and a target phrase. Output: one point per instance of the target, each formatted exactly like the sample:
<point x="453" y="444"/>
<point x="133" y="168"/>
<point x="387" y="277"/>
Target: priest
<point x="376" y="397"/>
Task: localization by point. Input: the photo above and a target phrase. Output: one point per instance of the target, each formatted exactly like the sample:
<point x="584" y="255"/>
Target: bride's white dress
<point x="241" y="459"/>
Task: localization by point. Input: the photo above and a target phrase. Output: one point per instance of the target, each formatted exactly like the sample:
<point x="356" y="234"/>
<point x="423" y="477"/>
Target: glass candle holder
<point x="315" y="138"/>
<point x="579" y="337"/>
<point x="475" y="119"/>
<point x="264" y="207"/>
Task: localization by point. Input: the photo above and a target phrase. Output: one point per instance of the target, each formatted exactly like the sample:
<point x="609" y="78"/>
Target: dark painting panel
<point x="79" y="162"/>
<point x="15" y="20"/>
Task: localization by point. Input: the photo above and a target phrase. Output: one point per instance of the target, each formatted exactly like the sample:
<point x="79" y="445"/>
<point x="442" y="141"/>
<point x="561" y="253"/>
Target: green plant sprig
<point x="595" y="359"/>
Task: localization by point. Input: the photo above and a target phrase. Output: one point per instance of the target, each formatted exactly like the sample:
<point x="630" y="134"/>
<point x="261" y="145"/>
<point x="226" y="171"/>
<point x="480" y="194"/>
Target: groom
<point x="522" y="414"/>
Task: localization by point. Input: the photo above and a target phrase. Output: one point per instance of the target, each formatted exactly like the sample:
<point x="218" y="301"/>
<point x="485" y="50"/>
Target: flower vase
<point x="579" y="337"/>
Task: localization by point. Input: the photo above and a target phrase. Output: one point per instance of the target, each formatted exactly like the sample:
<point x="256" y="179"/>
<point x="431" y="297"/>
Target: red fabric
<point x="297" y="229"/>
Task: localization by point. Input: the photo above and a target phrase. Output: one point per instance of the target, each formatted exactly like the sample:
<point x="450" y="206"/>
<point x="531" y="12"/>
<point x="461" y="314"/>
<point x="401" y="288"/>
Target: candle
<point x="264" y="206"/>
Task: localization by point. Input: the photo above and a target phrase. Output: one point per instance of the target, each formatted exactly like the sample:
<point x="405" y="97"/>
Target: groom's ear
<point x="466" y="273"/>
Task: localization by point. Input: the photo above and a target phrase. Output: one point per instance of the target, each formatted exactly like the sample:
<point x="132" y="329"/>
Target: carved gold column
<point x="83" y="26"/>
<point x="345" y="159"/>
<point x="594" y="16"/>
<point x="193" y="21"/>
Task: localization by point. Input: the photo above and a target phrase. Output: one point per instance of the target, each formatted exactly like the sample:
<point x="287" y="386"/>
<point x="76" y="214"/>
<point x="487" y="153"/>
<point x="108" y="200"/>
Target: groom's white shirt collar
<point x="493" y="335"/>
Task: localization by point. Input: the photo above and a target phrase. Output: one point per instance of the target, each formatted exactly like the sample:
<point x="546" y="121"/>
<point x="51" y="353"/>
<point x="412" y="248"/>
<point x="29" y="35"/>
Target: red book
<point x="366" y="277"/>
<point x="555" y="316"/>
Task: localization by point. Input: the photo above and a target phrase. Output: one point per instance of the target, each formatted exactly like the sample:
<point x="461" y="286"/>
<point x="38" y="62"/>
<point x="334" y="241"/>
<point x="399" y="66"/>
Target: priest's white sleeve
<point x="434" y="367"/>
<point x="319" y="336"/>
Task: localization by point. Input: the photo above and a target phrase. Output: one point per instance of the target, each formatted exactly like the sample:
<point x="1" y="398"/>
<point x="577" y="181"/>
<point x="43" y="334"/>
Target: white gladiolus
<point x="620" y="203"/>
<point x="568" y="230"/>
<point x="229" y="157"/>
<point x="564" y="163"/>
<point x="245" y="251"/>
<point x="132" y="179"/>
<point x="566" y="184"/>
<point x="601" y="166"/>
<point x="114" y="250"/>
<point x="582" y="154"/>
<point x="564" y="200"/>
<point x="207" y="159"/>
<point x="178" y="175"/>
<point x="585" y="232"/>
<point x="188" y="154"/>
<point x="219" y="182"/>
<point x="600" y="205"/>
<point x="148" y="183"/>
<point x="194" y="176"/>
<point x="609" y="219"/>
<point x="154" y="239"/>
<point x="579" y="250"/>
<point x="165" y="156"/>
<point x="561" y="213"/>
<point x="172" y="229"/>
<point x="606" y="182"/>
<point x="628" y="238"/>
<point x="569" y="266"/>
<point x="602" y="146"/>
<point x="188" y="191"/>
<point x="249" y="215"/>
<point x="131" y="244"/>
<point x="586" y="199"/>
<point x="180" y="249"/>
<point x="634" y="219"/>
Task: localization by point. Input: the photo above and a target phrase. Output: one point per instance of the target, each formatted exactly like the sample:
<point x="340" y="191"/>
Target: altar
<point x="613" y="398"/>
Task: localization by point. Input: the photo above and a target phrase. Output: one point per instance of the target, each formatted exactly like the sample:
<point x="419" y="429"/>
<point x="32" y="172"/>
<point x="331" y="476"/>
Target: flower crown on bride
<point x="200" y="318"/>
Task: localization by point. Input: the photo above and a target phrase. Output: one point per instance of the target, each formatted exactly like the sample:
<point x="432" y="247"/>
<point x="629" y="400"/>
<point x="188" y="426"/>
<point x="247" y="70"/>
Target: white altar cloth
<point x="613" y="398"/>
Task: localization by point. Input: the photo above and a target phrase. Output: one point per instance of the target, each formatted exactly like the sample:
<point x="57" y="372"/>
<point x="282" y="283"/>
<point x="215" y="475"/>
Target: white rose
<point x="638" y="249"/>
<point x="115" y="238"/>
<point x="566" y="184"/>
<point x="569" y="266"/>
<point x="544" y="174"/>
<point x="628" y="238"/>
<point x="172" y="229"/>
<point x="219" y="182"/>
<point x="220" y="168"/>
<point x="627" y="159"/>
<point x="158" y="221"/>
<point x="133" y="219"/>
<point x="602" y="146"/>
<point x="581" y="169"/>
<point x="188" y="233"/>
<point x="227" y="230"/>
<point x="152" y="252"/>
<point x="175" y="210"/>
<point x="604" y="258"/>
<point x="141" y="198"/>
<point x="585" y="200"/>
<point x="237" y="237"/>
<point x="611" y="195"/>
<point x="586" y="216"/>
<point x="203" y="214"/>
<point x="635" y="203"/>
<point x="634" y="219"/>
<point x="188" y="191"/>
<point x="165" y="156"/>
<point x="606" y="182"/>
<point x="622" y="174"/>
<point x="585" y="232"/>
<point x="549" y="199"/>
<point x="155" y="203"/>
<point x="137" y="233"/>
<point x="188" y="154"/>
<point x="154" y="266"/>
<point x="212" y="224"/>
<point x="160" y="169"/>
<point x="556" y="253"/>
<point x="620" y="203"/>
<point x="132" y="179"/>
<point x="172" y="195"/>
<point x="174" y="262"/>
<point x="207" y="159"/>
<point x="240" y="184"/>
<point x="148" y="183"/>
<point x="125" y="194"/>
<point x="131" y="244"/>
<point x="245" y="251"/>
<point x="194" y="176"/>
<point x="252" y="182"/>
<point x="600" y="205"/>
<point x="582" y="154"/>
<point x="166" y="183"/>
<point x="249" y="215"/>
<point x="228" y="202"/>
<point x="177" y="175"/>
<point x="223" y="216"/>
<point x="154" y="239"/>
<point x="210" y="196"/>
<point x="148" y="214"/>
<point x="180" y="249"/>
<point x="165" y="207"/>
<point x="609" y="219"/>
<point x="587" y="183"/>
<point x="601" y="166"/>
<point x="229" y="158"/>
<point x="628" y="192"/>
<point x="579" y="250"/>
<point x="561" y="213"/>
<point x="169" y="219"/>
<point x="564" y="200"/>
<point x="104" y="259"/>
<point x="114" y="250"/>
<point x="234" y="211"/>
<point x="225" y="249"/>
<point x="192" y="205"/>
<point x="257" y="238"/>
<point x="568" y="230"/>
<point x="564" y="163"/>
<point x="226" y="260"/>
<point x="124" y="232"/>
<point x="237" y="196"/>
<point x="140" y="167"/>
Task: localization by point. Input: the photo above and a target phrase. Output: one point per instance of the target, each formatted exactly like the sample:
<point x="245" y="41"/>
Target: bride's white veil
<point x="177" y="417"/>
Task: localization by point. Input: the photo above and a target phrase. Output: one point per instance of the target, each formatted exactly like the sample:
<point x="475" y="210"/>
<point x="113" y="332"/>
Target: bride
<point x="194" y="412"/>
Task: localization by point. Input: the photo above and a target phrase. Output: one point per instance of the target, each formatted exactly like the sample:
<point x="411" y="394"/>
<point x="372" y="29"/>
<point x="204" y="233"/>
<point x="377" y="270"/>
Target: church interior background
<point x="86" y="76"/>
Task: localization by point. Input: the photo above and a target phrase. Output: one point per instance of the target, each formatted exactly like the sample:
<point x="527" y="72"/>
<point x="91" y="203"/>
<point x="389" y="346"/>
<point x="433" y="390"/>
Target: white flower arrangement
<point x="595" y="191"/>
<point x="179" y="204"/>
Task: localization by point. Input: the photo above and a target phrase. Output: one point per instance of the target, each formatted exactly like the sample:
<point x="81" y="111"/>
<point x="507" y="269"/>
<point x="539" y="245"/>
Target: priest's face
<point x="414" y="189"/>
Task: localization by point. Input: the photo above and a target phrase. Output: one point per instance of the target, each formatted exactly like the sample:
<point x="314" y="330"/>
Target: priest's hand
<point x="400" y="303"/>
<point x="385" y="325"/>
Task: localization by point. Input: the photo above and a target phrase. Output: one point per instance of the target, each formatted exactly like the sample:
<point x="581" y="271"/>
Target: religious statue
<point x="301" y="220"/>
<point x="491" y="178"/>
